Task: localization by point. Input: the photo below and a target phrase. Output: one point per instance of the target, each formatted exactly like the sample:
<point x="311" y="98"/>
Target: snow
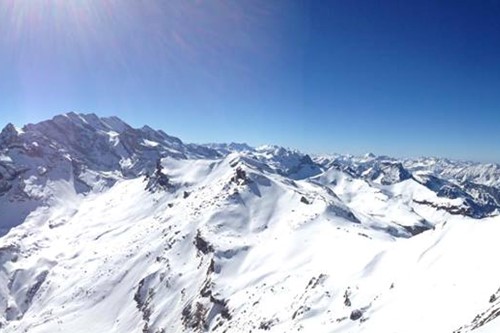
<point x="5" y="158"/>
<point x="113" y="137"/>
<point x="490" y="327"/>
<point x="149" y="143"/>
<point x="284" y="250"/>
<point x="266" y="251"/>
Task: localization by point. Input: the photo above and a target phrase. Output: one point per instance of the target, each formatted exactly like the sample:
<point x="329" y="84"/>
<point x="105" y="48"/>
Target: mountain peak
<point x="226" y="148"/>
<point x="88" y="118"/>
<point x="9" y="133"/>
<point x="369" y="155"/>
<point x="9" y="128"/>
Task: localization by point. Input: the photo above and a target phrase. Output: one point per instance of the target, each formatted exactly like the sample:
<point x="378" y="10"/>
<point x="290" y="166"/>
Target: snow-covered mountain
<point x="107" y="228"/>
<point x="475" y="185"/>
<point x="79" y="152"/>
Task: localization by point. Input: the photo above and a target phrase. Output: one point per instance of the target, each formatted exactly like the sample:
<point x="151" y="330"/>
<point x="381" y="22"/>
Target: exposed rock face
<point x="356" y="314"/>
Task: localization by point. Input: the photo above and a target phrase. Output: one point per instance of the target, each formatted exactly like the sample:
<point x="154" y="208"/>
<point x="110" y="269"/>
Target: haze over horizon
<point x="398" y="78"/>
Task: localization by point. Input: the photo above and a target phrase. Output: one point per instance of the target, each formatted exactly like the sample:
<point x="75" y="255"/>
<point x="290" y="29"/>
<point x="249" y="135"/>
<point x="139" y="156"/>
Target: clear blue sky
<point x="403" y="78"/>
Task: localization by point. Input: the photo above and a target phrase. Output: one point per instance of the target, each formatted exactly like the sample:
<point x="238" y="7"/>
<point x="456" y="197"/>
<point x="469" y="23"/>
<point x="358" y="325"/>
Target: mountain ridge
<point x="96" y="152"/>
<point x="116" y="229"/>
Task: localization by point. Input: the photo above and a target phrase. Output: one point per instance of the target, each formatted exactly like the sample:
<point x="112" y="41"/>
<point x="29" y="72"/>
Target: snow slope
<point x="290" y="246"/>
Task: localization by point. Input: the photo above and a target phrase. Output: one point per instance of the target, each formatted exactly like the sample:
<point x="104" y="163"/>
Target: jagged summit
<point x="8" y="134"/>
<point x="9" y="128"/>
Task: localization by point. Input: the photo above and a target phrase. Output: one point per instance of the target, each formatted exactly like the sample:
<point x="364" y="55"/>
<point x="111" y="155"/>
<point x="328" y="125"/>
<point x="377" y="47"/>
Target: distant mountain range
<point x="109" y="228"/>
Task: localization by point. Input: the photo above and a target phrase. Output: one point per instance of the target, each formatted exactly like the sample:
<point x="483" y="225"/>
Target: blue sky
<point x="403" y="78"/>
